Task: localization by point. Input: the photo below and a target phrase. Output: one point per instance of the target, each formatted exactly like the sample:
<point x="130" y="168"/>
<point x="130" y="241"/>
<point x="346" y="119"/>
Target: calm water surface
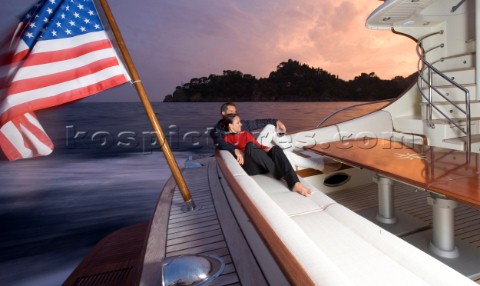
<point x="107" y="172"/>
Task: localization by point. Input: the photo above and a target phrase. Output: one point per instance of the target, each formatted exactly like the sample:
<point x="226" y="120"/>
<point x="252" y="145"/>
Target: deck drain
<point x="336" y="179"/>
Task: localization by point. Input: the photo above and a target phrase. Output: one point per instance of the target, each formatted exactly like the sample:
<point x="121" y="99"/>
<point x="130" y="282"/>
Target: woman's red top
<point x="241" y="139"/>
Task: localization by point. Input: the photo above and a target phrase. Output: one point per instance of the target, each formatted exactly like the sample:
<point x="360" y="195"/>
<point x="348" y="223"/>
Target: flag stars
<point x="61" y="19"/>
<point x="29" y="35"/>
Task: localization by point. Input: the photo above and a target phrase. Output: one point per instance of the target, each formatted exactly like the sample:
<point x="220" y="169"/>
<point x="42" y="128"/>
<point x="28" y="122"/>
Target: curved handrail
<point x="348" y="107"/>
<point x="430" y="69"/>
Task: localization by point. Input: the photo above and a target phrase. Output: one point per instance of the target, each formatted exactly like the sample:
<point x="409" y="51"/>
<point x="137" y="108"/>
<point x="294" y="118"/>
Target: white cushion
<point x="318" y="266"/>
<point x="232" y="163"/>
<point x="409" y="257"/>
<point x="291" y="203"/>
<point x="359" y="260"/>
<point x="318" y="197"/>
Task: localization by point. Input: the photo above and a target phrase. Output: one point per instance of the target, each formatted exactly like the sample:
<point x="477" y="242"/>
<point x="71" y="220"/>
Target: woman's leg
<point x="283" y="168"/>
<point x="257" y="161"/>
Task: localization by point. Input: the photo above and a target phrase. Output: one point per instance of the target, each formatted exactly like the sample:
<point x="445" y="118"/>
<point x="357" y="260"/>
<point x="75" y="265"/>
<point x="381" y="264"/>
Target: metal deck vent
<point x="191" y="269"/>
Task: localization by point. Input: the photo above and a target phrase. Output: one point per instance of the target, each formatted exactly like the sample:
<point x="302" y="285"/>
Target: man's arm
<point x="217" y="136"/>
<point x="220" y="143"/>
<point x="255" y="124"/>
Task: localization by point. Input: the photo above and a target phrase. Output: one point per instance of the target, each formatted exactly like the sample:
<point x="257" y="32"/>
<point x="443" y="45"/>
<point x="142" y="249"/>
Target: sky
<point x="173" y="41"/>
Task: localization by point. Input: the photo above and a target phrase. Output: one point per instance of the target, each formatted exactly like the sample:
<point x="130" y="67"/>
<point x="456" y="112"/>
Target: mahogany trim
<point x="156" y="238"/>
<point x="286" y="260"/>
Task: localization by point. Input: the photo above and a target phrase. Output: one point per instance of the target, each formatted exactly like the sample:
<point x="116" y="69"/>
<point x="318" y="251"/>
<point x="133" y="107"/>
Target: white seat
<point x="290" y="202"/>
<point x="334" y="245"/>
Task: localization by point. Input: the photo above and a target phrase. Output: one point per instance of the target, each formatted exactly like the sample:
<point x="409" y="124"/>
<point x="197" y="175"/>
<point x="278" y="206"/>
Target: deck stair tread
<point x="458" y="102"/>
<point x="456" y="120"/>
<point x="463" y="139"/>
<point x="445" y="71"/>
<point x="450" y="85"/>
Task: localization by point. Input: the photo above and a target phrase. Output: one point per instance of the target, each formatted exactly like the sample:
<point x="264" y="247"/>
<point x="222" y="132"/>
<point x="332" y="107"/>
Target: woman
<point x="259" y="159"/>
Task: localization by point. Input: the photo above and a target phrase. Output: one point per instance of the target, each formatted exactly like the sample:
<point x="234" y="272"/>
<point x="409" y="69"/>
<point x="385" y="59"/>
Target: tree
<point x="291" y="81"/>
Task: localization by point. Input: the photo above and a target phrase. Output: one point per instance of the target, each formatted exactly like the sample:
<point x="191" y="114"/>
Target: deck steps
<point x="463" y="139"/>
<point x="456" y="120"/>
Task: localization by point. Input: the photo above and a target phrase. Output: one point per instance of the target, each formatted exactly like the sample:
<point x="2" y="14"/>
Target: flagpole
<point x="177" y="174"/>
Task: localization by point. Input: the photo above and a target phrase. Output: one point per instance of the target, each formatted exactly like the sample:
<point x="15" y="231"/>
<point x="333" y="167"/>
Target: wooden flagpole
<point x="177" y="174"/>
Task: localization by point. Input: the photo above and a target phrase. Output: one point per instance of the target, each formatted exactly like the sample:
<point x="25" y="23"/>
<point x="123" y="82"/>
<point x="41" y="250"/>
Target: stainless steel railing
<point x="426" y="71"/>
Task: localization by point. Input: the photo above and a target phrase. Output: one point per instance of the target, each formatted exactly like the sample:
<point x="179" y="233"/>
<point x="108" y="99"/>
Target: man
<point x="273" y="133"/>
<point x="269" y="126"/>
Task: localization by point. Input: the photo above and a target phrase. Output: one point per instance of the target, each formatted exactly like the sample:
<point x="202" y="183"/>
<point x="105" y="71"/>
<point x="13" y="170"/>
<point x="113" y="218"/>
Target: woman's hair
<point x="226" y="120"/>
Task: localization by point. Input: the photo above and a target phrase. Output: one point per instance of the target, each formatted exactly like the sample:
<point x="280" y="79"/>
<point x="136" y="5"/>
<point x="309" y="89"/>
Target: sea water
<point x="107" y="172"/>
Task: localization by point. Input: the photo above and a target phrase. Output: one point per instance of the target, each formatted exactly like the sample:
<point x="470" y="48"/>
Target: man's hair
<point x="225" y="106"/>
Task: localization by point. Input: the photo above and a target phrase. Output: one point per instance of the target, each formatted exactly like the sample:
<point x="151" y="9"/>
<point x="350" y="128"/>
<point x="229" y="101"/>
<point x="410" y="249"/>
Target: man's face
<point x="230" y="110"/>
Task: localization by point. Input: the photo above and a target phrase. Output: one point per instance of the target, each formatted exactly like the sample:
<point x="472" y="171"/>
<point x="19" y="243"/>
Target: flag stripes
<point x="24" y="137"/>
<point x="61" y="53"/>
<point x="81" y="67"/>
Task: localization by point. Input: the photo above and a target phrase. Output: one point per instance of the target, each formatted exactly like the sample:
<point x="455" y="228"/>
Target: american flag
<point x="61" y="53"/>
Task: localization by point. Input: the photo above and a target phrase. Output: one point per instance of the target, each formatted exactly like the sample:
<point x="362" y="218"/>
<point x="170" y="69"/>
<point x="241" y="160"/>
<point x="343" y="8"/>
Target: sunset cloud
<point x="174" y="41"/>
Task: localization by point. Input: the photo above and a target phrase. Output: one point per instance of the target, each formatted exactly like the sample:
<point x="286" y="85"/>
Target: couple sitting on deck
<point x="266" y="155"/>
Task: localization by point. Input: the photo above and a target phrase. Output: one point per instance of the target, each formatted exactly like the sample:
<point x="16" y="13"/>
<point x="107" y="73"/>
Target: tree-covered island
<point x="292" y="81"/>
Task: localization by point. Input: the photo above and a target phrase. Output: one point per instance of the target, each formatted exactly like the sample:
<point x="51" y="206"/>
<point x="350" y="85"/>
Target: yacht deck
<point x="212" y="227"/>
